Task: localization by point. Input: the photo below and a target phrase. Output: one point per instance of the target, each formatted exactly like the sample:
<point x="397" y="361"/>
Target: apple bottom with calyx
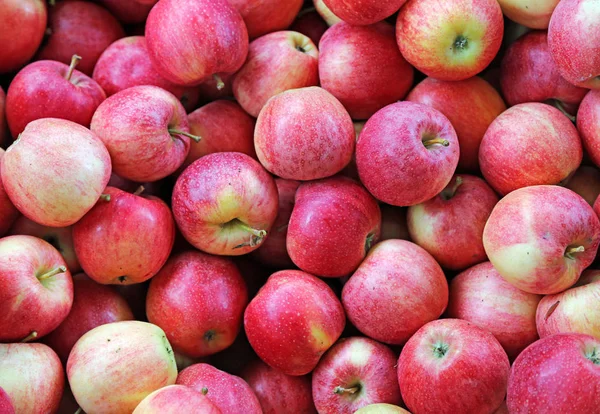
<point x="176" y="399"/>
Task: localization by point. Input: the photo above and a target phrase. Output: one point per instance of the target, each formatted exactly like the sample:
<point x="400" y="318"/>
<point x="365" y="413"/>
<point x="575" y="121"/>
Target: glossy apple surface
<point x="360" y="13"/>
<point x="266" y="16"/>
<point x="176" y="399"/>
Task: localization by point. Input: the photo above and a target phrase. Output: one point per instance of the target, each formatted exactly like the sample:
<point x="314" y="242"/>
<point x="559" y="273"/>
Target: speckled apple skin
<point x="588" y="124"/>
<point x="363" y="12"/>
<point x="176" y="399"/>
<point x="470" y="378"/>
<point x="398" y="288"/>
<point x="293" y="320"/>
<point x="554" y="374"/>
<point x="333" y="224"/>
<point x="324" y="11"/>
<point x="528" y="232"/>
<point x="363" y="68"/>
<point x="8" y="212"/>
<point x="227" y="392"/>
<point x="55" y="172"/>
<point x="304" y="134"/>
<point x="266" y="16"/>
<point x="392" y="161"/>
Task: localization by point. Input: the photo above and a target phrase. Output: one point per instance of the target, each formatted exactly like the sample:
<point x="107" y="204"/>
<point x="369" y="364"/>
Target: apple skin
<point x="375" y="296"/>
<point x="464" y="364"/>
<point x="325" y="13"/>
<point x="450" y="225"/>
<point x="481" y="296"/>
<point x="310" y="24"/>
<point x="362" y="13"/>
<point x="363" y="68"/>
<point x="334" y="223"/>
<point x="32" y="376"/>
<point x="393" y="161"/>
<point x="8" y="212"/>
<point x="227" y="392"/>
<point x="129" y="11"/>
<point x="293" y="320"/>
<point x="471" y="29"/>
<point x="113" y="367"/>
<point x="304" y="134"/>
<point x="144" y="129"/>
<point x="4" y="133"/>
<point x="224" y="203"/>
<point x="533" y="235"/>
<point x="176" y="399"/>
<point x="134" y="233"/>
<point x="278" y="392"/>
<point x="276" y="62"/>
<point x="360" y="363"/>
<point x="27" y="21"/>
<point x="535" y="14"/>
<point x="266" y="16"/>
<point x="6" y="405"/>
<point x="191" y="40"/>
<point x="561" y="371"/>
<point x="381" y="408"/>
<point x="529" y="144"/>
<point x="588" y="124"/>
<point x="585" y="182"/>
<point x="471" y="105"/>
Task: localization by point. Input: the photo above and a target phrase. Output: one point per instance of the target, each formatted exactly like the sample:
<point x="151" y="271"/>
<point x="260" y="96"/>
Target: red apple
<point x="6" y="405"/>
<point x="585" y="182"/>
<point x="363" y="12"/>
<point x="588" y="125"/>
<point x="304" y="134"/>
<point x="535" y="14"/>
<point x="541" y="238"/>
<point x="465" y="369"/>
<point x="325" y="13"/>
<point x="293" y="320"/>
<point x="382" y="408"/>
<point x="310" y="23"/>
<point x="176" y="399"/>
<point x="128" y="11"/>
<point x="393" y="223"/>
<point x="216" y="87"/>
<point x="4" y="133"/>
<point x="8" y="212"/>
<point x="266" y="16"/>
<point x="406" y="153"/>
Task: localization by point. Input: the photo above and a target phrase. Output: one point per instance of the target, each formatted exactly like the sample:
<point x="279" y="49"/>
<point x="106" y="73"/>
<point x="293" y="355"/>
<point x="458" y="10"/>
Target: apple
<point x="588" y="125"/>
<point x="124" y="239"/>
<point x="574" y="38"/>
<point x="293" y="320"/>
<point x="381" y="408"/>
<point x="559" y="373"/>
<point x="471" y="105"/>
<point x="529" y="144"/>
<point x="325" y="13"/>
<point x="464" y="364"/>
<point x="278" y="392"/>
<point x="541" y="238"/>
<point x="192" y="40"/>
<point x="6" y="405"/>
<point x="354" y="373"/>
<point x="363" y="12"/>
<point x="32" y="377"/>
<point x="225" y="203"/>
<point x="304" y="134"/>
<point x="8" y="212"/>
<point x="128" y="11"/>
<point x="334" y="223"/>
<point x="393" y="223"/>
<point x="176" y="399"/>
<point x="4" y="133"/>
<point x="481" y="296"/>
<point x="310" y="23"/>
<point x="266" y="16"/>
<point x="227" y="392"/>
<point x="450" y="225"/>
<point x="535" y="14"/>
<point x="451" y="41"/>
<point x="113" y="367"/>
<point x="406" y="153"/>
<point x="216" y="87"/>
<point x="363" y="68"/>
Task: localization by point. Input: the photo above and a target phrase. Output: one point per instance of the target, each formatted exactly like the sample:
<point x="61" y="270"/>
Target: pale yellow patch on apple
<point x="359" y="354"/>
<point x="321" y="339"/>
<point x="425" y="230"/>
<point x="516" y="260"/>
<point x="587" y="15"/>
<point x="472" y="31"/>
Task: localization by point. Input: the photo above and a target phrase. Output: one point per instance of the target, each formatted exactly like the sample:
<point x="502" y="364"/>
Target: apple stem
<point x="434" y="141"/>
<point x="572" y="250"/>
<point x="551" y="309"/>
<point x="219" y="81"/>
<point x="558" y="104"/>
<point x="30" y="337"/>
<point x="256" y="238"/>
<point x="450" y="192"/>
<point x="74" y="61"/>
<point x="139" y="190"/>
<point x="185" y="134"/>
<point x="78" y="411"/>
<point x="342" y="390"/>
<point x="52" y="2"/>
<point x="53" y="272"/>
<point x="105" y="197"/>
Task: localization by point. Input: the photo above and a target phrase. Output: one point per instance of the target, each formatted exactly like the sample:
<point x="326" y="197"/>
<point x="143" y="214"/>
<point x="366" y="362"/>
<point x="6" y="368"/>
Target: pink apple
<point x="406" y="153"/>
<point x="325" y="13"/>
<point x="585" y="182"/>
<point x="588" y="125"/>
<point x="381" y="408"/>
<point x="535" y="15"/>
<point x="176" y="399"/>
<point x="293" y="320"/>
<point x="363" y="12"/>
<point x="266" y="16"/>
<point x="393" y="223"/>
<point x="465" y="365"/>
<point x="310" y="23"/>
<point x="128" y="11"/>
<point x="8" y="212"/>
<point x="541" y="238"/>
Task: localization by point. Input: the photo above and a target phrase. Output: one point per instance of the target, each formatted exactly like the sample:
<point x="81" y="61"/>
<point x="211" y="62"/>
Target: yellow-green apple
<point x="450" y="225"/>
<point x="4" y="134"/>
<point x="363" y="68"/>
<point x="574" y="38"/>
<point x="398" y="288"/>
<point x="354" y="373"/>
<point x="534" y="14"/>
<point x="82" y="28"/>
<point x="293" y="320"/>
<point x="55" y="171"/>
<point x="113" y="367"/>
<point x="585" y="182"/>
<point x="37" y="289"/>
<point x="192" y="40"/>
<point x="541" y="238"/>
<point x="32" y="377"/>
<point x="266" y="16"/>
<point x="464" y="364"/>
<point x="6" y="405"/>
<point x="135" y="234"/>
<point x="559" y="373"/>
<point x="199" y="301"/>
<point x="393" y="223"/>
<point x="381" y="408"/>
<point x="93" y="305"/>
<point x="129" y="11"/>
<point x="363" y="12"/>
<point x="529" y="144"/>
<point x="574" y="310"/>
<point x="471" y="105"/>
<point x="310" y="23"/>
<point x="225" y="203"/>
<point x="334" y="223"/>
<point x="456" y="42"/>
<point x="304" y="134"/>
<point x="481" y="296"/>
<point x="276" y="63"/>
<point x="588" y="125"/>
<point x="23" y="25"/>
<point x="278" y="392"/>
<point x="8" y="212"/>
<point x="176" y="399"/>
<point x="406" y="153"/>
<point x="326" y="13"/>
<point x="227" y="392"/>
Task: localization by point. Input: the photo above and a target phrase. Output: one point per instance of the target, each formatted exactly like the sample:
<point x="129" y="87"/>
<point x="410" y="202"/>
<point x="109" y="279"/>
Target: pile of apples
<point x="275" y="206"/>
